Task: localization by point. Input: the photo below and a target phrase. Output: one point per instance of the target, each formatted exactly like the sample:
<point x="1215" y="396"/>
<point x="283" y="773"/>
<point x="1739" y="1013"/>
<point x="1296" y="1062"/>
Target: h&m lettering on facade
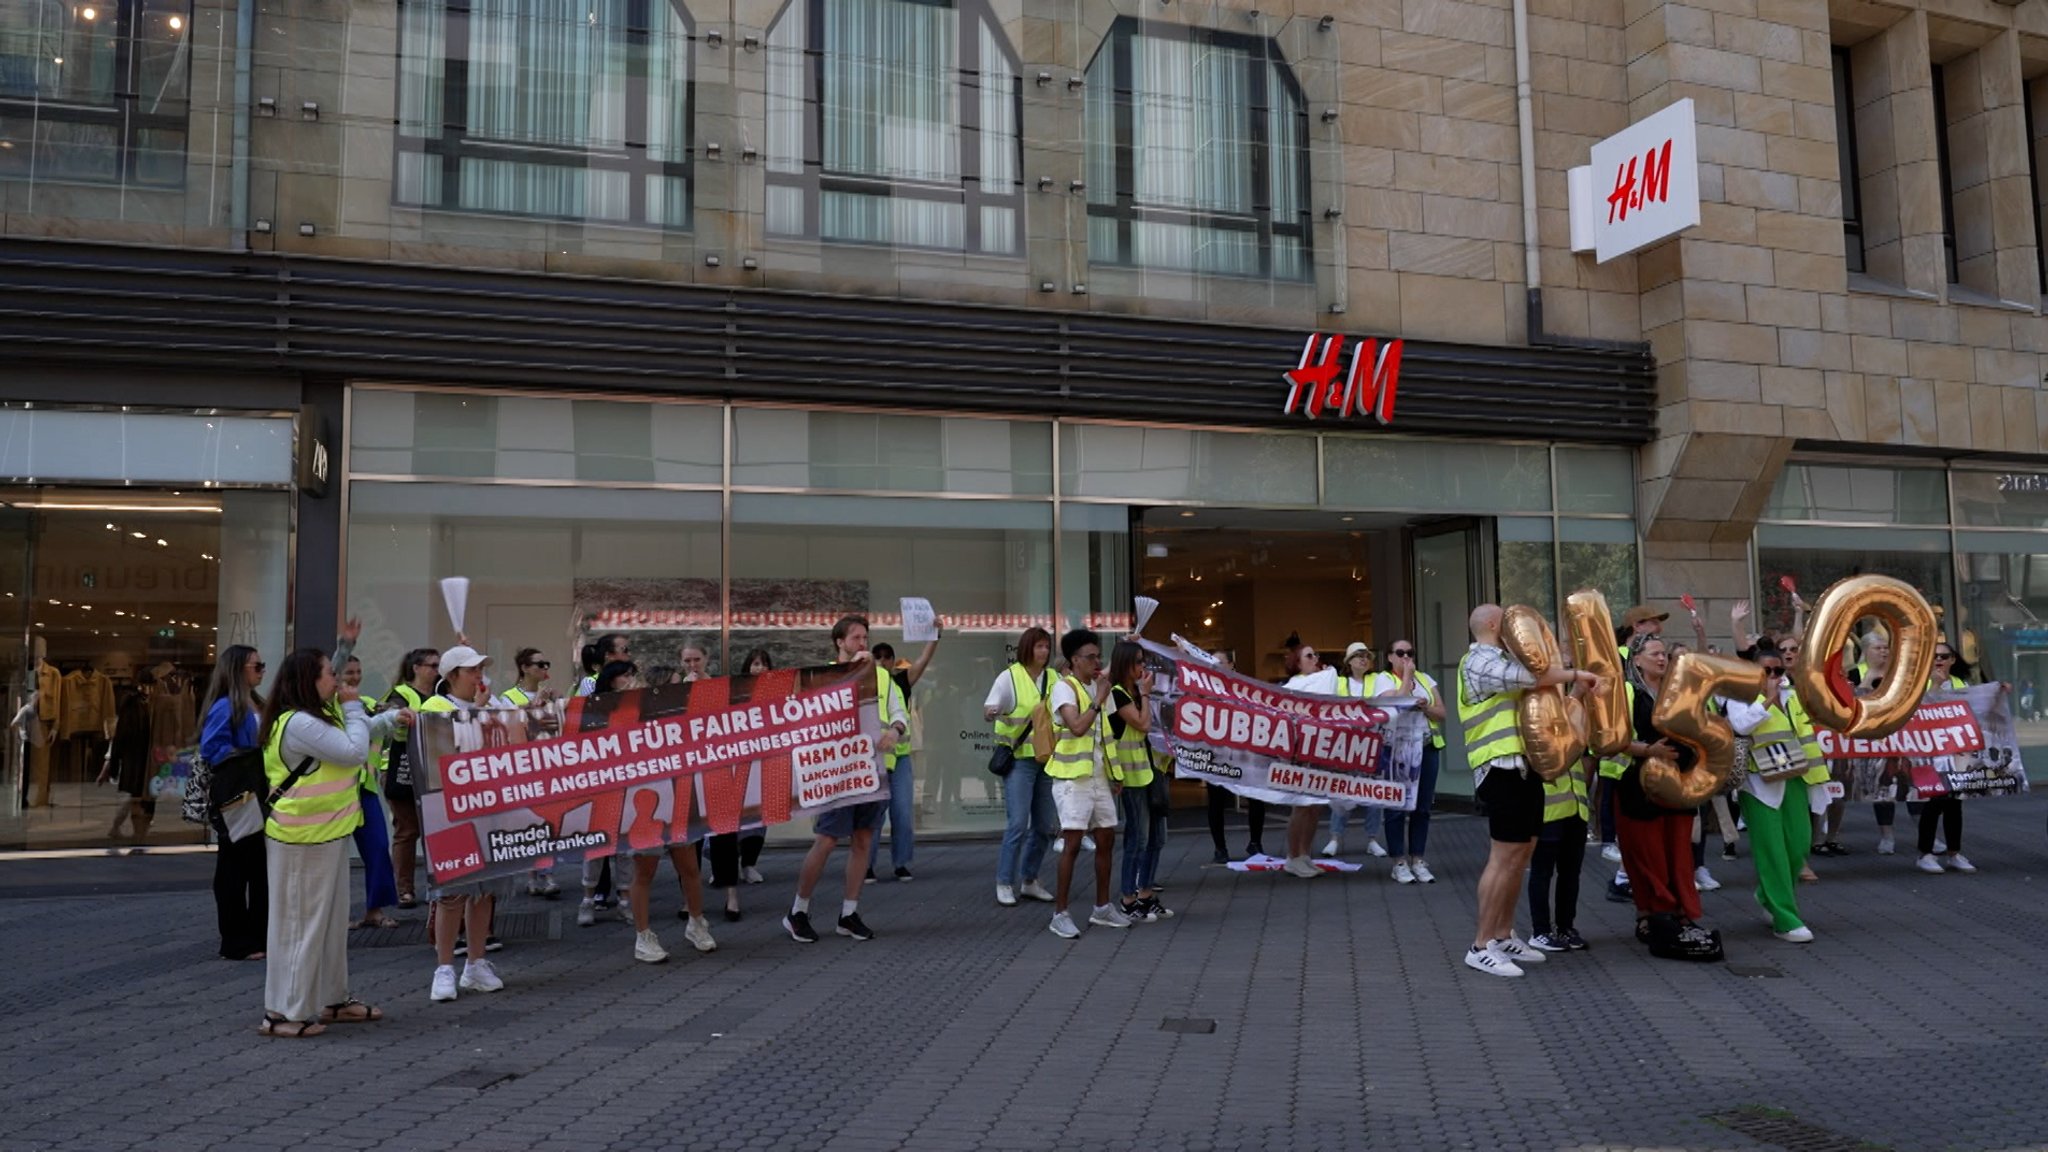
<point x="1653" y="188"/>
<point x="1320" y="386"/>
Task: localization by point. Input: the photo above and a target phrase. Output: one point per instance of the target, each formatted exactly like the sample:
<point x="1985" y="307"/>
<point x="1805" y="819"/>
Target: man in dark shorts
<point x="854" y="822"/>
<point x="1490" y="683"/>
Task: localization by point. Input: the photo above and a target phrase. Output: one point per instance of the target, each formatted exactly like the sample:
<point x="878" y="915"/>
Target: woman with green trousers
<point x="1773" y="796"/>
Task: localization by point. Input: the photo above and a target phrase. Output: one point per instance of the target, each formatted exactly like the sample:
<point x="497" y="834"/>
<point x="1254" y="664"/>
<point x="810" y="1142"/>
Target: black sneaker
<point x="1727" y="851"/>
<point x="1220" y="858"/>
<point x="1254" y="849"/>
<point x="851" y="926"/>
<point x="871" y="876"/>
<point x="798" y="925"/>
<point x="1574" y="941"/>
<point x="903" y="875"/>
<point x="492" y="943"/>
<point x="462" y="945"/>
<point x="1549" y="942"/>
<point x="1620" y="893"/>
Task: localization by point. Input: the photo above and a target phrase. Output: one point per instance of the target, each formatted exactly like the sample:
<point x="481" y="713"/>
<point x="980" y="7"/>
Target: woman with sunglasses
<point x="1773" y="793"/>
<point x="234" y="713"/>
<point x="531" y="691"/>
<point x="1408" y="832"/>
<point x="1949" y="676"/>
<point x="1817" y="775"/>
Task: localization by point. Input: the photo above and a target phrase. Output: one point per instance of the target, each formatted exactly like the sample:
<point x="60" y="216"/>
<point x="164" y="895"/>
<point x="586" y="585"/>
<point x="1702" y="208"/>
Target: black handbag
<point x="1002" y="759"/>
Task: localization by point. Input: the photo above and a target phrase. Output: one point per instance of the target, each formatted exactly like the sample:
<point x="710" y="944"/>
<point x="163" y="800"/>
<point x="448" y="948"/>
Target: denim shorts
<point x="839" y="823"/>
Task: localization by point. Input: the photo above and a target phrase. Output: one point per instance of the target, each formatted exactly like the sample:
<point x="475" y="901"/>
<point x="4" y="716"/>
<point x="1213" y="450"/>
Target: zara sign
<point x="1643" y="185"/>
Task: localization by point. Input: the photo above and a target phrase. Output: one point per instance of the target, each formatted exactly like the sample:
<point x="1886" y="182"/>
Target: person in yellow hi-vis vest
<point x="902" y="776"/>
<point x="316" y="739"/>
<point x="1081" y="787"/>
<point x="1561" y="854"/>
<point x="1490" y="683"/>
<point x="853" y="822"/>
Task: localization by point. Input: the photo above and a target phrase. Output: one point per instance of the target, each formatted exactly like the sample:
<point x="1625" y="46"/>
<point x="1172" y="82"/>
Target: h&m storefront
<point x="744" y="526"/>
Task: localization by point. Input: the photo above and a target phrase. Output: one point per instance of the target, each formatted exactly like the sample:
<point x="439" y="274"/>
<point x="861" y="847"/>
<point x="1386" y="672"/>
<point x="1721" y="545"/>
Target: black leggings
<point x="1560" y="853"/>
<point x="1948" y="810"/>
<point x="730" y="852"/>
<point x="1219" y="803"/>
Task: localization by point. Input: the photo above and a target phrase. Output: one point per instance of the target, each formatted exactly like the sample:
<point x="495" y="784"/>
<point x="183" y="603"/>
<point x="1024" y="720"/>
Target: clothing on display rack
<point x="88" y="704"/>
<point x="173" y="710"/>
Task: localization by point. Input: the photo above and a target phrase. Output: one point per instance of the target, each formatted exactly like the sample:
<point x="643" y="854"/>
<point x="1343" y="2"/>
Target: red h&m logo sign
<point x="1316" y="387"/>
<point x="1653" y="188"/>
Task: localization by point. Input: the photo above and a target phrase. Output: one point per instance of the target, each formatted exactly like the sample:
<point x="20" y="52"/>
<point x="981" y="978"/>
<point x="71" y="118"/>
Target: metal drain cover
<point x="1788" y="1132"/>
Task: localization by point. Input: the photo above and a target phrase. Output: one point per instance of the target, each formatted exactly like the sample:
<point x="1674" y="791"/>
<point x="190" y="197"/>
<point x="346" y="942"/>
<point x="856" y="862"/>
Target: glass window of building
<point x="95" y="93"/>
<point x="573" y="109"/>
<point x="895" y="122"/>
<point x="1197" y="153"/>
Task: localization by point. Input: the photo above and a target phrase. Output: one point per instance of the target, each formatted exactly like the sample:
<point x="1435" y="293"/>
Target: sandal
<point x="408" y="901"/>
<point x="380" y="920"/>
<point x="351" y="1012"/>
<point x="280" y="1028"/>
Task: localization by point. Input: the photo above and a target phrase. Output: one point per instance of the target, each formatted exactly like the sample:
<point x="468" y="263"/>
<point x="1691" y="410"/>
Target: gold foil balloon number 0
<point x="1829" y="697"/>
<point x="1551" y="724"/>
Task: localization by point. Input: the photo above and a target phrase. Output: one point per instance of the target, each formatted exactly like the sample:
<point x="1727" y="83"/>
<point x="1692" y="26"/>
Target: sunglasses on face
<point x="1769" y="671"/>
<point x="1944" y="655"/>
<point x="259" y="665"/>
<point x="541" y="664"/>
<point x="1408" y="653"/>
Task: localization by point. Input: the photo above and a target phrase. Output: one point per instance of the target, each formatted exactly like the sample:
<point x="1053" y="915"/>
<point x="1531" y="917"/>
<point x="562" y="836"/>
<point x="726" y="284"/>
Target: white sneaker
<point x="1375" y="848"/>
<point x="1302" y="867"/>
<point x="479" y="976"/>
<point x="1799" y="935"/>
<point x="1087" y="843"/>
<point x="586" y="913"/>
<point x="1885" y="847"/>
<point x="1006" y="895"/>
<point x="1611" y="853"/>
<point x="1403" y="874"/>
<point x="1035" y="891"/>
<point x="698" y="933"/>
<point x="1063" y="926"/>
<point x="1422" y="873"/>
<point x="1704" y="880"/>
<point x="1929" y="864"/>
<point x="1957" y="861"/>
<point x="1940" y="846"/>
<point x="647" y="948"/>
<point x="751" y="875"/>
<point x="1109" y="916"/>
<point x="444" y="983"/>
<point x="544" y="886"/>
<point x="1515" y="949"/>
<point x="1490" y="961"/>
<point x="1332" y="848"/>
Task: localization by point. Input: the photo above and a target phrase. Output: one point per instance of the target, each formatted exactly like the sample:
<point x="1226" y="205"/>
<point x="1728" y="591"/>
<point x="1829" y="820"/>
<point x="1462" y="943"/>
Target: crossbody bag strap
<point x="297" y="774"/>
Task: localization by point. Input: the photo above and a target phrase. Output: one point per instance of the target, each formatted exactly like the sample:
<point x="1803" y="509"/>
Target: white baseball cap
<point x="462" y="656"/>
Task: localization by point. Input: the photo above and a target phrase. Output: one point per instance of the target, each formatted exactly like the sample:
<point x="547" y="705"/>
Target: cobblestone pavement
<point x="1341" y="1020"/>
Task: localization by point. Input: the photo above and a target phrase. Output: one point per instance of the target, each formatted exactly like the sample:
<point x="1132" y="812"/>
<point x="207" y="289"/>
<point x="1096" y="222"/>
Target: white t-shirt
<point x="1063" y="696"/>
<point x="1002" y="695"/>
<point x="1321" y="683"/>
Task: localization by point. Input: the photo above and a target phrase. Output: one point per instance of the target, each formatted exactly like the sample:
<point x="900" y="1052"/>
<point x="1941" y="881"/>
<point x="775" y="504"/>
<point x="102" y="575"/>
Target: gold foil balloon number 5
<point x="1686" y="715"/>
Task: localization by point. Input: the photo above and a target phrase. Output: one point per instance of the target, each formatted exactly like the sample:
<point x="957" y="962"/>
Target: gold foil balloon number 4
<point x="1551" y="724"/>
<point x="1829" y="697"/>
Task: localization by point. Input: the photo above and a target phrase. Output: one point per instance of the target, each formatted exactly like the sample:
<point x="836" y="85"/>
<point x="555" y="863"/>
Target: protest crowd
<point x="507" y="781"/>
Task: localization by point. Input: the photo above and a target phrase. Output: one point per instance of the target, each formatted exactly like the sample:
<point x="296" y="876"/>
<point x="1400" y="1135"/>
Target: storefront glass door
<point x="1452" y="574"/>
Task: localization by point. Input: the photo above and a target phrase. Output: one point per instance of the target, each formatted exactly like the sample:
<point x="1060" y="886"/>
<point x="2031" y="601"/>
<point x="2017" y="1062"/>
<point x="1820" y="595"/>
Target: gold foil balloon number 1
<point x="1609" y="727"/>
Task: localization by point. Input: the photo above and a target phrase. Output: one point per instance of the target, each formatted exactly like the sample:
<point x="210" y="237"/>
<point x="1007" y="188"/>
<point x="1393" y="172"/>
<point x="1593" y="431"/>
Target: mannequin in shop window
<point x="41" y="729"/>
<point x="128" y="760"/>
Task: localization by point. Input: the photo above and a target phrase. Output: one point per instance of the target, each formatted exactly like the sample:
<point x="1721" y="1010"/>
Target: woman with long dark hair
<point x="1656" y="842"/>
<point x="234" y="712"/>
<point x="316" y="739"/>
<point x="1130" y="760"/>
<point x="412" y="687"/>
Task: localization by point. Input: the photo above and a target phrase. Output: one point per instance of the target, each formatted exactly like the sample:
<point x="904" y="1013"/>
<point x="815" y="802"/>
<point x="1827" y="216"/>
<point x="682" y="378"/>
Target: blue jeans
<point x="1376" y="819"/>
<point x="1144" y="839"/>
<point x="373" y="844"/>
<point x="1404" y="827"/>
<point x="1030" y="820"/>
<point x="902" y="818"/>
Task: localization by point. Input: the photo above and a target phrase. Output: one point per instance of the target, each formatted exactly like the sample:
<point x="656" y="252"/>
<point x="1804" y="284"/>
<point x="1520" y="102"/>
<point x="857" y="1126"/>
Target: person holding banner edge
<point x="413" y="685"/>
<point x="902" y="778"/>
<point x="466" y="906"/>
<point x="1490" y="685"/>
<point x="1949" y="675"/>
<point x="1408" y="832"/>
<point x="854" y="822"/>
<point x="1081" y="788"/>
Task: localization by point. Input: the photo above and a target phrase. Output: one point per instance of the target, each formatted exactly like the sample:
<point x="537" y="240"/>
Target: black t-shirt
<point x="1634" y="802"/>
<point x="1117" y="699"/>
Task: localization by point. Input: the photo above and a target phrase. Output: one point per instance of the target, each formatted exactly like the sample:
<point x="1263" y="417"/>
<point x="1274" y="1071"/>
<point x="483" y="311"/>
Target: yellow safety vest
<point x="1565" y="797"/>
<point x="1130" y="757"/>
<point x="1613" y="767"/>
<point x="1026" y="694"/>
<point x="322" y="805"/>
<point x="1489" y="726"/>
<point x="1808" y="742"/>
<point x="886" y="689"/>
<point x="1073" y="757"/>
<point x="1393" y="684"/>
<point x="1777" y="730"/>
<point x="517" y="697"/>
<point x="1955" y="684"/>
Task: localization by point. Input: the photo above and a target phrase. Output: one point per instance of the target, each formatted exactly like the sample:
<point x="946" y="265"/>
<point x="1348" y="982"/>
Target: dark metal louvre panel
<point x="242" y="312"/>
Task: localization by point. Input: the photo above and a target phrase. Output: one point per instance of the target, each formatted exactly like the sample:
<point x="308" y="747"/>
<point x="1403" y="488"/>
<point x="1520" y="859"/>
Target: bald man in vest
<point x="1490" y="683"/>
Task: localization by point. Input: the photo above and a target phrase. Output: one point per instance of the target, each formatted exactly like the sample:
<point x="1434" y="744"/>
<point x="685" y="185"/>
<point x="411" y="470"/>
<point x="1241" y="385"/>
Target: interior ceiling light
<point x="62" y="506"/>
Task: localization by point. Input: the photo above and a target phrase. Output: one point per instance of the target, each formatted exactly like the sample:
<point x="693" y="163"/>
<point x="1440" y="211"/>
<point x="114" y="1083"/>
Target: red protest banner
<point x="1943" y="728"/>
